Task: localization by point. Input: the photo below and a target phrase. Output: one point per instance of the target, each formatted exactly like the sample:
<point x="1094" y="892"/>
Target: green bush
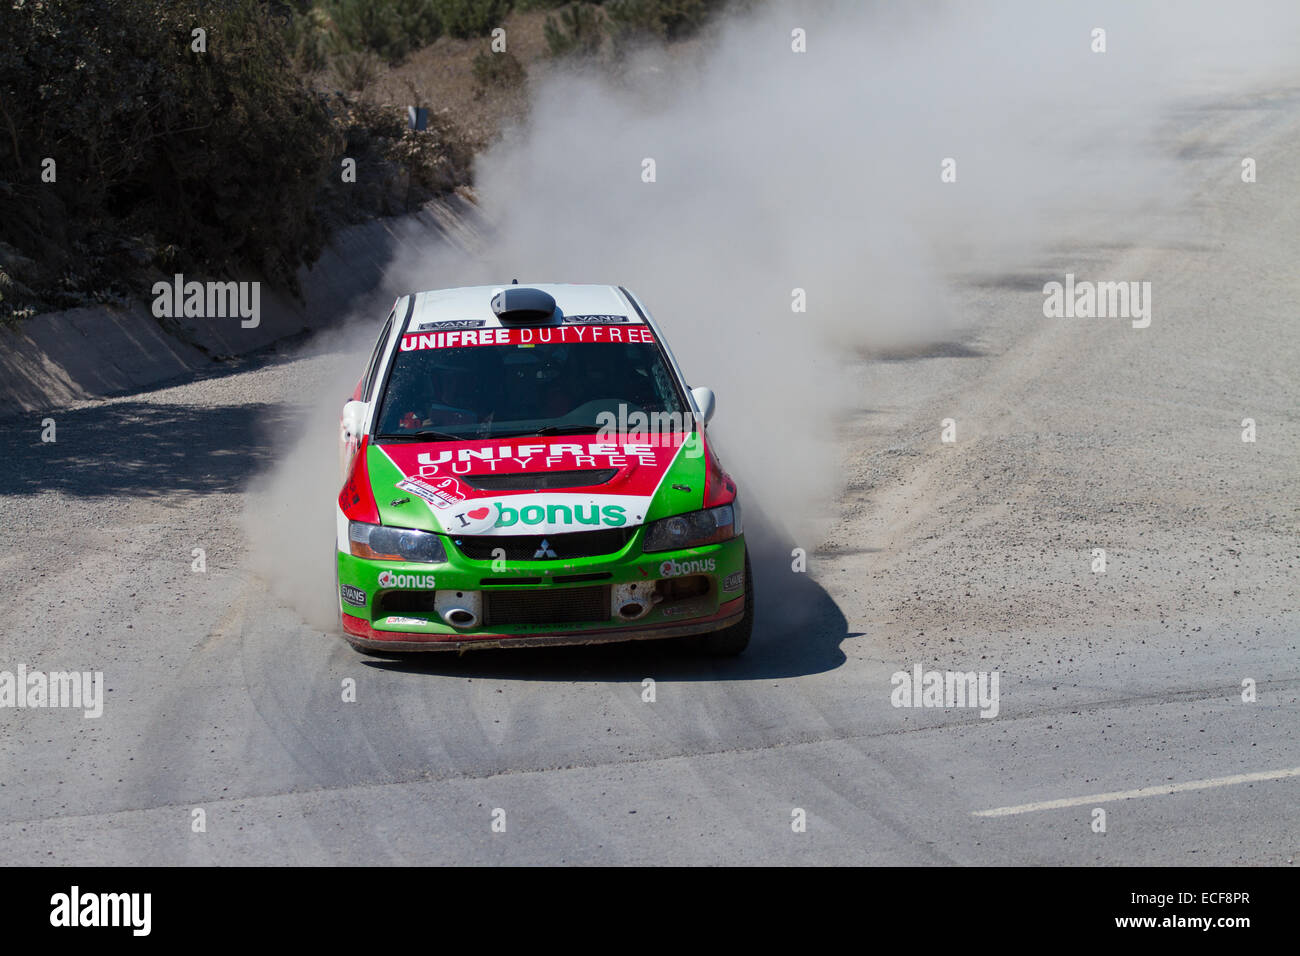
<point x="502" y="70"/>
<point x="165" y="157"/>
<point x="224" y="163"/>
<point x="308" y="35"/>
<point x="219" y="163"/>
<point x="354" y="70"/>
<point x="389" y="28"/>
<point x="665" y="19"/>
<point x="577" y="31"/>
<point x="397" y="167"/>
<point x="471" y="18"/>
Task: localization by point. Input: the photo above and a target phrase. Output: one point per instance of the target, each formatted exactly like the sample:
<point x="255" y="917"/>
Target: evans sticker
<point x="448" y="324"/>
<point x="354" y="596"/>
<point x="595" y="319"/>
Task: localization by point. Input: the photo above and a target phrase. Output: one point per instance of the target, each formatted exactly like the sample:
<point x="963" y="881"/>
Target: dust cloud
<point x="820" y="171"/>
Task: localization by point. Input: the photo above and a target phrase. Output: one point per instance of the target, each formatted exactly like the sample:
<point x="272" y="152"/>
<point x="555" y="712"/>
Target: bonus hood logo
<point x="549" y="516"/>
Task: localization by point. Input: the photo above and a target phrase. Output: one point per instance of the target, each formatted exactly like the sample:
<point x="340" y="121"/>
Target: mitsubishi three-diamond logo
<point x="544" y="550"/>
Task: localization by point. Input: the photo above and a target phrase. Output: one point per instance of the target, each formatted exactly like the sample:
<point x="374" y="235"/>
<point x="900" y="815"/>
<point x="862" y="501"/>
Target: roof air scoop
<point x="521" y="304"/>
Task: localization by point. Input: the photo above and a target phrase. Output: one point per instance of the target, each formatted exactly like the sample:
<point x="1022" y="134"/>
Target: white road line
<point x="1140" y="792"/>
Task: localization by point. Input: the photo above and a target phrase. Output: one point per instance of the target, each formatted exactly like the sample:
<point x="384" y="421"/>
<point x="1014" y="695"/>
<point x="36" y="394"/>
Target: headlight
<point x="395" y="544"/>
<point x="694" y="529"/>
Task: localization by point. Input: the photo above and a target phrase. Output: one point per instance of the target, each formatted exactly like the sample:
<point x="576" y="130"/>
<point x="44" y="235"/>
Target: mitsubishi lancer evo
<point x="525" y="465"/>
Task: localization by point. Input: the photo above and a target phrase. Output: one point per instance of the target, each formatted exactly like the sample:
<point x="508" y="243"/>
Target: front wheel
<point x="730" y="641"/>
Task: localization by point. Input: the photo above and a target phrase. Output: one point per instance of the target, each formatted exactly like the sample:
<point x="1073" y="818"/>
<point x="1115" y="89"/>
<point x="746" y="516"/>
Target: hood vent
<point x="523" y="305"/>
<point x="541" y="480"/>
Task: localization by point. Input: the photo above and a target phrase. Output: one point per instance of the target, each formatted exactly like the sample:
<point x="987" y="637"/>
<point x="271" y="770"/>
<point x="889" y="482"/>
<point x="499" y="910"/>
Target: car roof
<point x="474" y="303"/>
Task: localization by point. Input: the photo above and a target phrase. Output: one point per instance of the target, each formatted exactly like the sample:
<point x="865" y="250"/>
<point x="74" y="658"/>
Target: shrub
<point x="398" y="167"/>
<point x="166" y="158"/>
<point x="502" y="70"/>
<point x="308" y="37"/>
<point x="389" y="28"/>
<point x="577" y="31"/>
<point x="471" y="18"/>
<point x="354" y="70"/>
<point x="666" y="19"/>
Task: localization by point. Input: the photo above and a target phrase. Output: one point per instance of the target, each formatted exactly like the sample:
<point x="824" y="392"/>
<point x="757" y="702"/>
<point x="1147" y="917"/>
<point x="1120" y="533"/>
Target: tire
<point x="730" y="641"/>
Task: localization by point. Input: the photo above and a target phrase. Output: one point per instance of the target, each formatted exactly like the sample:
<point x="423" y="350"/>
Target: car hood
<point x="536" y="485"/>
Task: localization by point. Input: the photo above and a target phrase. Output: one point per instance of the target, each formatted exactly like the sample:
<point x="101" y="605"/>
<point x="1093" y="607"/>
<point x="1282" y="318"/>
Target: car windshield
<point x="526" y="388"/>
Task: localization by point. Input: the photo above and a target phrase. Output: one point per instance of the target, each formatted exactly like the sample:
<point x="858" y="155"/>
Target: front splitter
<point x="361" y="634"/>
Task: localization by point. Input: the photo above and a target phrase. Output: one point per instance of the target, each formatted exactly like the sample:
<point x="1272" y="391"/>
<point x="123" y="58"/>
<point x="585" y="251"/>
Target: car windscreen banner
<point x="553" y="335"/>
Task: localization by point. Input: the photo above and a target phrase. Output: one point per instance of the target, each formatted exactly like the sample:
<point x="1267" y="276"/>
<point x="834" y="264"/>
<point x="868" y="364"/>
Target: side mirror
<point x="354" y="419"/>
<point x="704" y="401"/>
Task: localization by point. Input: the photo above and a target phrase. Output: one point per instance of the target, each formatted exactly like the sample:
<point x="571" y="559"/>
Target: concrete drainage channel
<point x="58" y="358"/>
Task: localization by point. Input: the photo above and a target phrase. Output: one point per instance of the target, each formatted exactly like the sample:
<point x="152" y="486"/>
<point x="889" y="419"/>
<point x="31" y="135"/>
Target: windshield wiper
<point x="422" y="435"/>
<point x="553" y="430"/>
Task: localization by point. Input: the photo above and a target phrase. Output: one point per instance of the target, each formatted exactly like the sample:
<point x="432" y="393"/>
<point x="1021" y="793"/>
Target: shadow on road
<point x="140" y="448"/>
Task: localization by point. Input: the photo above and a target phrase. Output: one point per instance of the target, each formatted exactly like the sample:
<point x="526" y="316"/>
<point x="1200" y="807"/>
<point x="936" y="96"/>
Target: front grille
<point x="681" y="589"/>
<point x="403" y="602"/>
<point x="546" y="606"/>
<point x="576" y="578"/>
<point x="541" y="480"/>
<point x="561" y="547"/>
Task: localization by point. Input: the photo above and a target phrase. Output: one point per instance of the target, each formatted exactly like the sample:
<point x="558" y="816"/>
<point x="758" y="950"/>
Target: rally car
<point x="525" y="465"/>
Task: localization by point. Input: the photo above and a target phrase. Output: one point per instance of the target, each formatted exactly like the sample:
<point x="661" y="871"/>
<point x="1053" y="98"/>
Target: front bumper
<point x="362" y="635"/>
<point x="395" y="605"/>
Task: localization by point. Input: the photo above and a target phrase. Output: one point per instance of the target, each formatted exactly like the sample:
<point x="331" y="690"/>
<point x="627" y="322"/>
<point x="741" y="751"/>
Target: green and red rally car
<point x="525" y="466"/>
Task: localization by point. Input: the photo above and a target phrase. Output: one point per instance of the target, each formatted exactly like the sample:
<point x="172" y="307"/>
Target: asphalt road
<point x="223" y="695"/>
